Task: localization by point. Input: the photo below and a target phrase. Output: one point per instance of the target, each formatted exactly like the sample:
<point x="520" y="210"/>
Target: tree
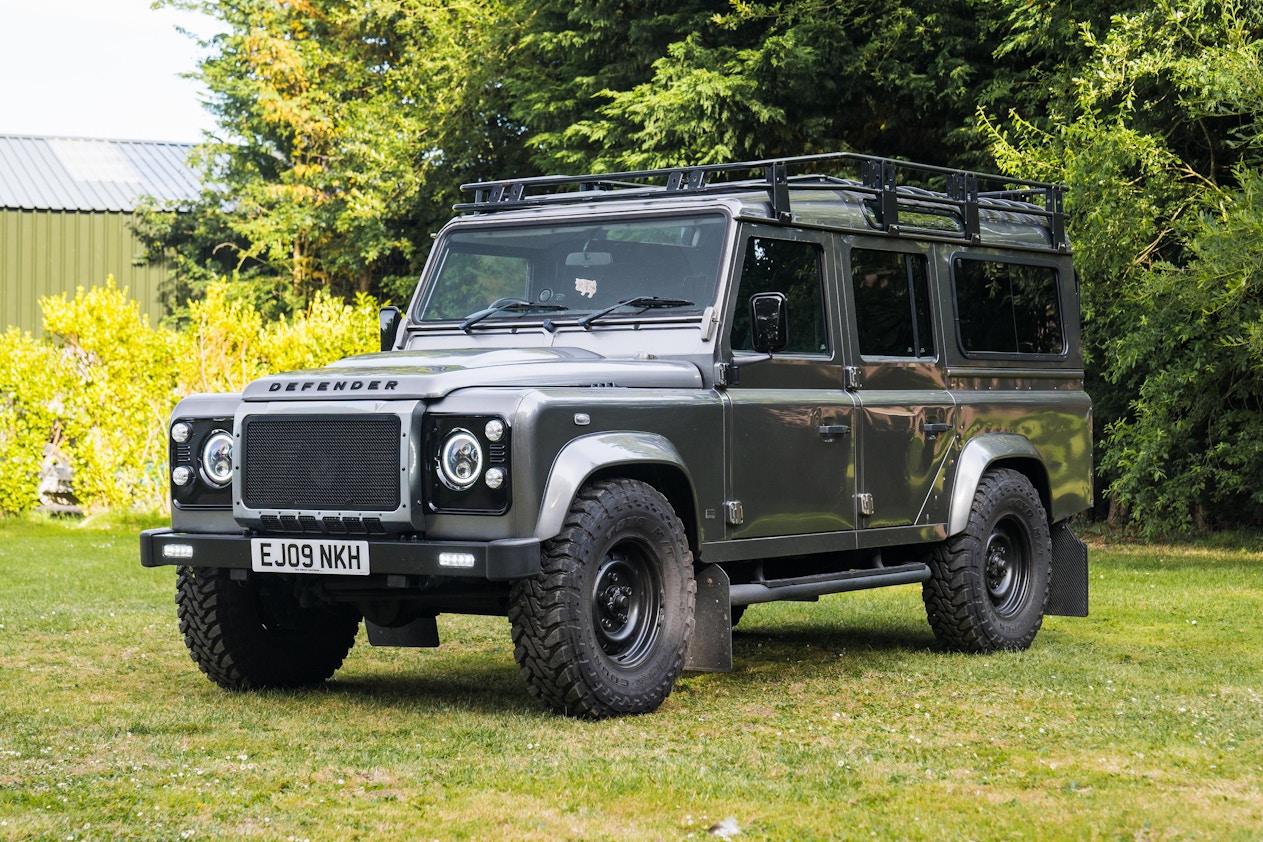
<point x="1162" y="151"/>
<point x="344" y="131"/>
<point x="609" y="88"/>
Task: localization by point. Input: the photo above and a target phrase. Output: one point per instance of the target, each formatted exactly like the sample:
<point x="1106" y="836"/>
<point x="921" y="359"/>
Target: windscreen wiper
<point x="515" y="305"/>
<point x="645" y="302"/>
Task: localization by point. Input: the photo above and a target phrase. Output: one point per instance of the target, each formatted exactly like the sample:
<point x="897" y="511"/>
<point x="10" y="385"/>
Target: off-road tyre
<point x="989" y="585"/>
<point x="250" y="636"/>
<point x="603" y="629"/>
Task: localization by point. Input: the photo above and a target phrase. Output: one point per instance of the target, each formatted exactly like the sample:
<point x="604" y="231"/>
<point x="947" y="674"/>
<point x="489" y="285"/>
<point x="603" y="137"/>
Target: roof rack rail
<point x="885" y="181"/>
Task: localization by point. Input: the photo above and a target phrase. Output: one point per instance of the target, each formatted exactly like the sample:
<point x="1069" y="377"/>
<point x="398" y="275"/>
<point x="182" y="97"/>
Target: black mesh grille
<point x="347" y="463"/>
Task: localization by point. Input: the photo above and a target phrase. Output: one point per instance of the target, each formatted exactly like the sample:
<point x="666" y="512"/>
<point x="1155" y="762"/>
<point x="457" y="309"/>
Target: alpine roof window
<point x="1007" y="308"/>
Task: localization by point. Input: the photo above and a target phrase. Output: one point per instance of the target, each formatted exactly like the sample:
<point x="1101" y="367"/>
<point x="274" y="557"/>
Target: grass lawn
<point x="842" y="720"/>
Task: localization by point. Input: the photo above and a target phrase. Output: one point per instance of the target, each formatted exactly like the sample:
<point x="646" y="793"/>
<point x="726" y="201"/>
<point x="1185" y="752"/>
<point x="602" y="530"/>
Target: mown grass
<point x="842" y="720"/>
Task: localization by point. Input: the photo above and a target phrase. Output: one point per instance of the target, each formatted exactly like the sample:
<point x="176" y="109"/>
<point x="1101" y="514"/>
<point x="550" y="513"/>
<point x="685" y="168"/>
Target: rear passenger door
<point x="907" y="416"/>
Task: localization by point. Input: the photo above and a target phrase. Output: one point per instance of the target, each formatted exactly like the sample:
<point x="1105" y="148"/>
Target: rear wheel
<point x="603" y="629"/>
<point x="989" y="584"/>
<point x="246" y="636"/>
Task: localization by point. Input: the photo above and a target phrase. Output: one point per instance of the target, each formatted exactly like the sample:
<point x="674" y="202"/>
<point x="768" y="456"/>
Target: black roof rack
<point x="884" y="180"/>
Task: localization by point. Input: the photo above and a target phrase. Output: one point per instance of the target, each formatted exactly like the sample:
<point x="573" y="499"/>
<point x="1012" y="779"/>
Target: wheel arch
<point x="647" y="457"/>
<point x="994" y="450"/>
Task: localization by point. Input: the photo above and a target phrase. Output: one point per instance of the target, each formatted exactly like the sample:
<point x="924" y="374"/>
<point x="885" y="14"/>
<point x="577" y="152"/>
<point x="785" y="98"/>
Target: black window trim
<point x="1013" y="260"/>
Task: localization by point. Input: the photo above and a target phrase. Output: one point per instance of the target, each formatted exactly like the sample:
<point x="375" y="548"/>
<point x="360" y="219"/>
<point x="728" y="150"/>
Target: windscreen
<point x="669" y="265"/>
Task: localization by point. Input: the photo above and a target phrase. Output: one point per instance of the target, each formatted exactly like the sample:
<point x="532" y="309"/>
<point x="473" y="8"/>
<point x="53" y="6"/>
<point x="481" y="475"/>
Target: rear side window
<point x="892" y="307"/>
<point x="1007" y="308"/>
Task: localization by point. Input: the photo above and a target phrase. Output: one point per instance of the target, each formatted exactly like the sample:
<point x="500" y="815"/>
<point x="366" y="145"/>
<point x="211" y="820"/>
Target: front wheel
<point x="248" y="636"/>
<point x="989" y="585"/>
<point x="604" y="628"/>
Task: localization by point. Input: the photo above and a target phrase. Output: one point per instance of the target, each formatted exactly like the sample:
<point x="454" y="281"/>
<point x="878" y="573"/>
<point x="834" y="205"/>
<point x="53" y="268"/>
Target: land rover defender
<point x="620" y="408"/>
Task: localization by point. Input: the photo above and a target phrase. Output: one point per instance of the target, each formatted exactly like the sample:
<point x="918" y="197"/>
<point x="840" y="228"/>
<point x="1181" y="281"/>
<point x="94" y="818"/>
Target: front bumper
<point x="496" y="561"/>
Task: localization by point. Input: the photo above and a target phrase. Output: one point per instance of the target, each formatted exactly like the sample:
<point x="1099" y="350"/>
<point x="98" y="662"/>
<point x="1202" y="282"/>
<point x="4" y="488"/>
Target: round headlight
<point x="182" y="475"/>
<point x="217" y="459"/>
<point x="180" y="432"/>
<point x="460" y="460"/>
<point x="494" y="478"/>
<point x="494" y="430"/>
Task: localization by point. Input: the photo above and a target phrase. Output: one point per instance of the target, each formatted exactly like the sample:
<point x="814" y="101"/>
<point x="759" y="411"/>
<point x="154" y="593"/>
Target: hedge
<point x="96" y="392"/>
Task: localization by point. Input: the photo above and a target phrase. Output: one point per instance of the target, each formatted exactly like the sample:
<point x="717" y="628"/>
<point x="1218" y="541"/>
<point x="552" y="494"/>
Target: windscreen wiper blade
<point x="515" y="305"/>
<point x="645" y="302"/>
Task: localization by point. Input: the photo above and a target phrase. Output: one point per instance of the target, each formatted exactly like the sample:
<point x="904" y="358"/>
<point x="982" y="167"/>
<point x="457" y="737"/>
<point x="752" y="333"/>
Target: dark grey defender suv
<point x="620" y="408"/>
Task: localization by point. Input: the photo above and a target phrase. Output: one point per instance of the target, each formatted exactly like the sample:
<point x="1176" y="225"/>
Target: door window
<point x="790" y="267"/>
<point x="892" y="306"/>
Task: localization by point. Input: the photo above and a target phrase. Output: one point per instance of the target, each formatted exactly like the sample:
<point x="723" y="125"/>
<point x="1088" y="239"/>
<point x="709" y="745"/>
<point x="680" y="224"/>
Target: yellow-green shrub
<point x="127" y="385"/>
<point x="34" y="377"/>
<point x="233" y="346"/>
<point x="103" y="384"/>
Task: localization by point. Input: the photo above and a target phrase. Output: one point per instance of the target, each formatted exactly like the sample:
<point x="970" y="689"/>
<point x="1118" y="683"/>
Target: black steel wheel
<point x="627" y="602"/>
<point x="604" y="628"/>
<point x="249" y="636"/>
<point x="989" y="585"/>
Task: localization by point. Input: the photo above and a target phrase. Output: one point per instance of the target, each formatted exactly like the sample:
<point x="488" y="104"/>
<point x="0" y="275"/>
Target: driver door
<point x="790" y="446"/>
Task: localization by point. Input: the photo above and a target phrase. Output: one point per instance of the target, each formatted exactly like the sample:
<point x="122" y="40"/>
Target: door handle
<point x="933" y="428"/>
<point x="831" y="430"/>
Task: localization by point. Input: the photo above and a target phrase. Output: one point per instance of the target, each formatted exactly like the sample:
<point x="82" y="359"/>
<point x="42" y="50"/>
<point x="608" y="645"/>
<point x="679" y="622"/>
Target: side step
<point x="809" y="587"/>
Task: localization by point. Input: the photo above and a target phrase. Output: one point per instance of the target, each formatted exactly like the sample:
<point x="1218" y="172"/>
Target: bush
<point x="100" y="388"/>
<point x="114" y="415"/>
<point x="34" y="377"/>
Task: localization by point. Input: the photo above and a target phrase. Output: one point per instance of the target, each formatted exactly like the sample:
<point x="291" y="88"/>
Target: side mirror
<point x="769" y="322"/>
<point x="389" y="320"/>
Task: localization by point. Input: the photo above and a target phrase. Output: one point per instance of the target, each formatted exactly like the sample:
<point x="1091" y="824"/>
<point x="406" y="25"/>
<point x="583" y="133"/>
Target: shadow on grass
<point x="803" y="640"/>
<point x="470" y="683"/>
<point x="461" y="685"/>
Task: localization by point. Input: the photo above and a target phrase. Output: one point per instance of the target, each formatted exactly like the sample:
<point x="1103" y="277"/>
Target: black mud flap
<point x="711" y="648"/>
<point x="421" y="633"/>
<point x="1068" y="590"/>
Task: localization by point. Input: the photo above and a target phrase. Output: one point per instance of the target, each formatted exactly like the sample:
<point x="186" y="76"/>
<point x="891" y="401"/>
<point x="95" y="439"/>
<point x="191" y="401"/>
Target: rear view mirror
<point x="769" y="322"/>
<point x="589" y="258"/>
<point x="389" y="320"/>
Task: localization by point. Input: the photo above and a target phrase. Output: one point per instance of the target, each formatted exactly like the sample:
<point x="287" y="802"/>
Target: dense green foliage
<point x="96" y="394"/>
<point x="347" y="128"/>
<point x="1161" y="141"/>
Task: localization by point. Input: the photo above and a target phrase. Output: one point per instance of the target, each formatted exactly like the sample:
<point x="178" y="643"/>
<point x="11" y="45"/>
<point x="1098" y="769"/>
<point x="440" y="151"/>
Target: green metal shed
<point x="66" y="206"/>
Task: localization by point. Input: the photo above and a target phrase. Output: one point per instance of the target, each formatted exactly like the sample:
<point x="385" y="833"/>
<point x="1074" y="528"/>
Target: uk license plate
<point x="309" y="555"/>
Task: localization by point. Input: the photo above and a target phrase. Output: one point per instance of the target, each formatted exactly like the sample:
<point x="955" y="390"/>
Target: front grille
<point x="330" y="463"/>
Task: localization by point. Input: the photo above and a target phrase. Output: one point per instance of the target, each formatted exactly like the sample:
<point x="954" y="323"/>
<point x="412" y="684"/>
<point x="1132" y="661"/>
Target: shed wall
<point x="44" y="253"/>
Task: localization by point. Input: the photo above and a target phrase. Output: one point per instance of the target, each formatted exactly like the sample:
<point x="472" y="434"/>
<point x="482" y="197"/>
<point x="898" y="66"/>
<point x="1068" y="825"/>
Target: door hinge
<point x="735" y="513"/>
<point x="853" y="379"/>
<point x="864" y="502"/>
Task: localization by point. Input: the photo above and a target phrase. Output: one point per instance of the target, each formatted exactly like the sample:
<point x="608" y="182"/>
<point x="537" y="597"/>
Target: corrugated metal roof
<point x="79" y="174"/>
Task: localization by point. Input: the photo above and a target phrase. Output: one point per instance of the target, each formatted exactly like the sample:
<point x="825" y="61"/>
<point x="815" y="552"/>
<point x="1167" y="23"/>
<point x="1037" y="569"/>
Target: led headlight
<point x="460" y="460"/>
<point x="217" y="459"/>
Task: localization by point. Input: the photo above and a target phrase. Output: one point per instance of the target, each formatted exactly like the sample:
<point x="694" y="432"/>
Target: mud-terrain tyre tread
<point x="959" y="604"/>
<point x="555" y="634"/>
<point x="224" y="628"/>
